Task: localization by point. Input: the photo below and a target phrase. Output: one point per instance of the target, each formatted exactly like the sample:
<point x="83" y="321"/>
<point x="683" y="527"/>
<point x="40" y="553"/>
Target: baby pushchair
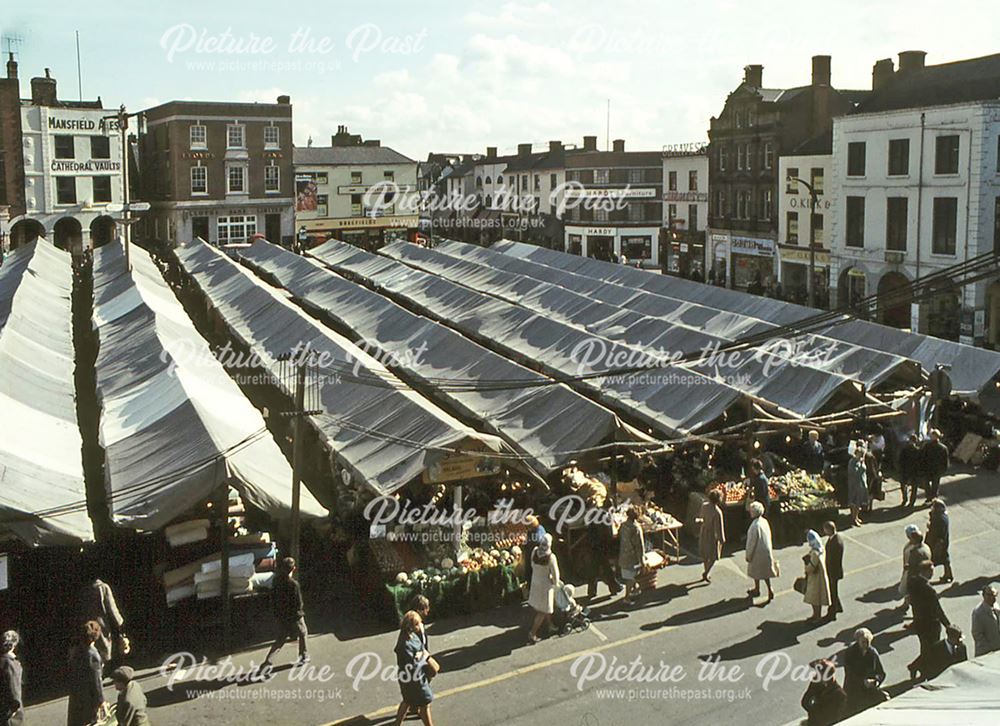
<point x="569" y="615"/>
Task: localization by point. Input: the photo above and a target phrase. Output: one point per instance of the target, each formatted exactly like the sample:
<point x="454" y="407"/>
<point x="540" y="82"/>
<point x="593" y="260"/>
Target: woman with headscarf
<point x="938" y="538"/>
<point x="817" y="591"/>
<point x="761" y="564"/>
<point x="544" y="580"/>
<point x="914" y="552"/>
<point x="712" y="534"/>
<point x="857" y="483"/>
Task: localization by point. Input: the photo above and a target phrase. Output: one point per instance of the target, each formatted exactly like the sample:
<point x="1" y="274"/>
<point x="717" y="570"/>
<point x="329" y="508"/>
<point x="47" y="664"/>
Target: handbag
<point x="431" y="667"/>
<point x="799" y="585"/>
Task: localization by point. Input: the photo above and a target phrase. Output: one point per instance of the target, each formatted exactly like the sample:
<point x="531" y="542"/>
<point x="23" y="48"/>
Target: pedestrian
<point x="817" y="590"/>
<point x="986" y="623"/>
<point x="288" y="612"/>
<point x="873" y="474"/>
<point x="857" y="484"/>
<point x="863" y="673"/>
<point x="758" y="487"/>
<point x="86" y="693"/>
<point x="422" y="607"/>
<point x="631" y="548"/>
<point x="938" y="538"/>
<point x="11" y="681"/>
<point x="834" y="567"/>
<point x="544" y="581"/>
<point x="824" y="698"/>
<point x="600" y="551"/>
<point x="98" y="603"/>
<point x="934" y="463"/>
<point x="941" y="656"/>
<point x="914" y="552"/>
<point x="131" y="707"/>
<point x="761" y="564"/>
<point x="814" y="457"/>
<point x="928" y="615"/>
<point x="411" y="663"/>
<point x="712" y="534"/>
<point x="536" y="533"/>
<point x="909" y="471"/>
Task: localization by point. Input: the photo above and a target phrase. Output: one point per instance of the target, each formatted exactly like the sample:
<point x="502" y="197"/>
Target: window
<point x="272" y="137"/>
<point x="199" y="180"/>
<point x="272" y="179"/>
<point x="765" y="204"/>
<point x="749" y="117"/>
<point x="390" y="175"/>
<point x="856" y="158"/>
<point x="899" y="157"/>
<point x="553" y="181"/>
<point x="792" y="228"/>
<point x="635" y="176"/>
<point x="102" y="187"/>
<point x="817" y="230"/>
<point x="693" y="217"/>
<point x="236" y="176"/>
<point x="601" y="214"/>
<point x="743" y="205"/>
<point x="356" y="179"/>
<point x="356" y="210"/>
<point x="322" y="178"/>
<point x="768" y="155"/>
<point x="741" y="155"/>
<point x="635" y="212"/>
<point x="489" y="180"/>
<point x="100" y="147"/>
<point x="237" y="229"/>
<point x="524" y="182"/>
<point x="672" y="181"/>
<point x="945" y="225"/>
<point x="322" y="204"/>
<point x="998" y="154"/>
<point x="671" y="212"/>
<point x="198" y="136"/>
<point x="723" y="158"/>
<point x="895" y="223"/>
<point x="693" y="180"/>
<point x="739" y="119"/>
<point x="816" y="180"/>
<point x="538" y="182"/>
<point x="792" y="186"/>
<point x="66" y="189"/>
<point x="720" y="203"/>
<point x="855" y="236"/>
<point x="236" y="136"/>
<point x="946" y="155"/>
<point x="996" y="226"/>
<point x="64" y="147"/>
<point x="749" y="157"/>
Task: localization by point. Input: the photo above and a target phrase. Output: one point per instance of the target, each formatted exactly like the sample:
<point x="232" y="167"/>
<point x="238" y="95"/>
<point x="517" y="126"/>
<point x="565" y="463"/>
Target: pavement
<point x="687" y="652"/>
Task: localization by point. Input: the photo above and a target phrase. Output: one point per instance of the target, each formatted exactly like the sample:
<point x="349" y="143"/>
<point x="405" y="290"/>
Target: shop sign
<point x="757" y="246"/>
<point x="669" y="196"/>
<point x="385" y="186"/>
<point x="600" y="231"/>
<point x="91" y="165"/>
<point x="802" y="256"/>
<point x="359" y="222"/>
<point x="67" y="123"/>
<point x="692" y="148"/>
<point x="461" y="466"/>
<point x="804" y="203"/>
<point x="624" y="193"/>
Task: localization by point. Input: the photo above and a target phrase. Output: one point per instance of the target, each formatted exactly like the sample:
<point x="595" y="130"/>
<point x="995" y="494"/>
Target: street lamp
<point x="122" y="118"/>
<point x="813" y="201"/>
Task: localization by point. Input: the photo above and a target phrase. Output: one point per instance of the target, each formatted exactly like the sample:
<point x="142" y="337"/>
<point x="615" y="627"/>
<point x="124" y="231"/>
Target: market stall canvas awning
<point x="42" y="491"/>
<point x="174" y="425"/>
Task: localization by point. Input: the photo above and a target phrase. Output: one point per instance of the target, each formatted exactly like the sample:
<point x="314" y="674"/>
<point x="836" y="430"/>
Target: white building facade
<point x="918" y="191"/>
<point x="799" y="225"/>
<point x="685" y="208"/>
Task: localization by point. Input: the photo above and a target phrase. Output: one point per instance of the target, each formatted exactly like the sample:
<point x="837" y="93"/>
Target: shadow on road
<point x="720" y="609"/>
<point x="771" y="636"/>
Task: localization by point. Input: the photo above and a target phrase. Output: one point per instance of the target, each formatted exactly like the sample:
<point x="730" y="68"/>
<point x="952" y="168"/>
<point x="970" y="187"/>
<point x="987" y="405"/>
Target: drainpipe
<point x="920" y="197"/>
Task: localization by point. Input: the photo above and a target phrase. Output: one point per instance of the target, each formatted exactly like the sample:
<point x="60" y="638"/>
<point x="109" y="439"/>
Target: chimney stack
<point x="911" y="60"/>
<point x="821" y="70"/>
<point x="882" y="73"/>
<point x="372" y="142"/>
<point x="618" y="145"/>
<point x="43" y="90"/>
<point x="284" y="100"/>
<point x="555" y="146"/>
<point x="11" y="66"/>
<point x="753" y="76"/>
<point x="523" y="149"/>
<point x="491" y="152"/>
<point x="590" y="143"/>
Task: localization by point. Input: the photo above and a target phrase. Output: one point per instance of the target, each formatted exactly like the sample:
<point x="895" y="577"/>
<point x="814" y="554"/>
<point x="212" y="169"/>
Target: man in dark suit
<point x="934" y="463"/>
<point x="834" y="567"/>
<point x="942" y="655"/>
<point x="909" y="470"/>
<point x="928" y="616"/>
<point x="11" y="706"/>
<point x="289" y="612"/>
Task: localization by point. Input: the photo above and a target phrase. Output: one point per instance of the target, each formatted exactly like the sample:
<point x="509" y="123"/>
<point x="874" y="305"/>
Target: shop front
<point x="752" y="261"/>
<point x="367" y="232"/>
<point x="793" y="272"/>
<point x="717" y="258"/>
<point x="638" y="244"/>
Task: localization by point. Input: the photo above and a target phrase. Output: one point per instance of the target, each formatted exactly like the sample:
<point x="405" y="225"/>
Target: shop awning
<point x="550" y="424"/>
<point x="383" y="433"/>
<point x="174" y="425"/>
<point x="42" y="492"/>
<point x="666" y="402"/>
<point x="972" y="369"/>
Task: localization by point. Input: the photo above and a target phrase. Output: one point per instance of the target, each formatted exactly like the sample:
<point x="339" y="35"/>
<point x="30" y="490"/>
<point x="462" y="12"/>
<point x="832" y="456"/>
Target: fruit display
<point x="591" y="489"/>
<point x="735" y="492"/>
<point x="799" y="481"/>
<point x="651" y="516"/>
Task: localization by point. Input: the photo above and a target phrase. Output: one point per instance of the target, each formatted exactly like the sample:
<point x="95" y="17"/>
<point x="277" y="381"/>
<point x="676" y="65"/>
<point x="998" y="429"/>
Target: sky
<point x="461" y="76"/>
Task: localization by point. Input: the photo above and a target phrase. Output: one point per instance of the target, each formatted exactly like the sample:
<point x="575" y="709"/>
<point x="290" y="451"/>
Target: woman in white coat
<point x="544" y="580"/>
<point x="761" y="564"/>
<point x="817" y="591"/>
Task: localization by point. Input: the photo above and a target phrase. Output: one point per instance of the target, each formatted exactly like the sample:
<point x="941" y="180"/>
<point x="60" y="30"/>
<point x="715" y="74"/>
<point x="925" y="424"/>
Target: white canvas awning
<point x="42" y="493"/>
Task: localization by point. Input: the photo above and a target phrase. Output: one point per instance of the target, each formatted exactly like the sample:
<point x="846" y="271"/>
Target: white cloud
<point x="512" y="15"/>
